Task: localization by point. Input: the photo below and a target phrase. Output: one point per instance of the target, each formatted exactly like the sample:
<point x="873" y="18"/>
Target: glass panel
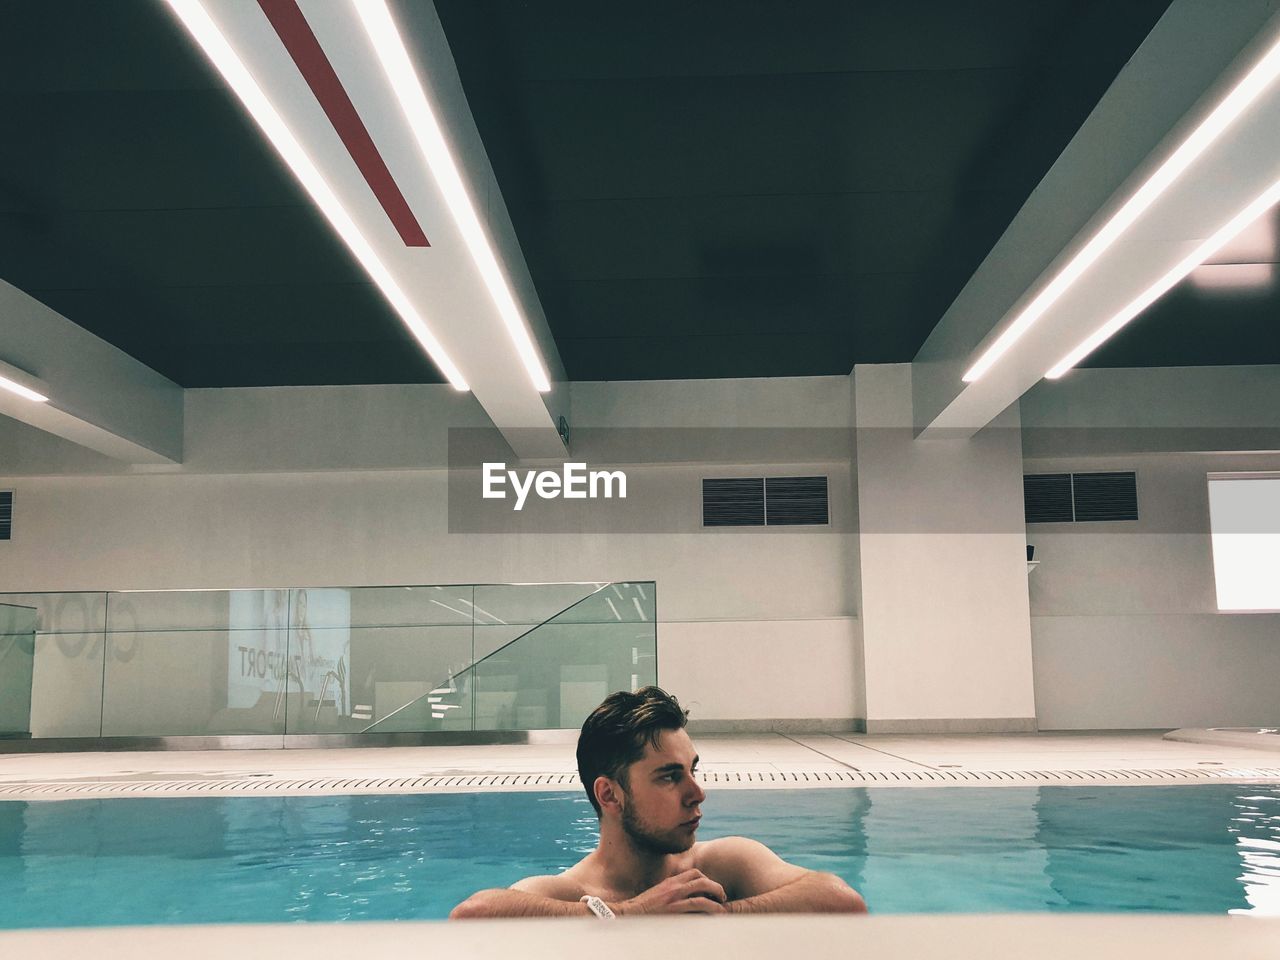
<point x="195" y="663"/>
<point x="66" y="679"/>
<point x="332" y="660"/>
<point x="368" y="659"/>
<point x="505" y="611"/>
<point x="558" y="672"/>
<point x="17" y="656"/>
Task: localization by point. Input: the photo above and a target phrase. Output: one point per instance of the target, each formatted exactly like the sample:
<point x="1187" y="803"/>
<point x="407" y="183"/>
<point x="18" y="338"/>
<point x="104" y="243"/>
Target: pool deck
<point x="732" y="761"/>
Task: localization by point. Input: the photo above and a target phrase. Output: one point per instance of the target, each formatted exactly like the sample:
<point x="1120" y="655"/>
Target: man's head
<point x="635" y="756"/>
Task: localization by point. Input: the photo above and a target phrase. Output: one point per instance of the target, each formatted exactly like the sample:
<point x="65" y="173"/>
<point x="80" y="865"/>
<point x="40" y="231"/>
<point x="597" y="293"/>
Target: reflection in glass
<point x="17" y="657"/>
<point x="334" y="660"/>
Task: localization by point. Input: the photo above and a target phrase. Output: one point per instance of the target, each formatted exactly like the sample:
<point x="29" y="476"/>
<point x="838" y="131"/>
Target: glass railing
<point x="330" y="660"/>
<point x="550" y="675"/>
<point x="17" y="655"/>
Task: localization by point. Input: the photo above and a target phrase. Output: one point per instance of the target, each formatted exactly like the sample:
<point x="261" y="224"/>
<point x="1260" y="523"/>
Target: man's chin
<point x="682" y="841"/>
<point x="679" y="842"/>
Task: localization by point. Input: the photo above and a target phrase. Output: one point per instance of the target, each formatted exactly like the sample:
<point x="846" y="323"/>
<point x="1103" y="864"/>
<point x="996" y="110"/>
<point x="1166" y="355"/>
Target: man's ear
<point x="608" y="794"/>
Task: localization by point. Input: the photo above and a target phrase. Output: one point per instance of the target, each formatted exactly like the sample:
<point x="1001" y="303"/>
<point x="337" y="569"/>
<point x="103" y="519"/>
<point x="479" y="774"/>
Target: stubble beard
<point x="646" y="839"/>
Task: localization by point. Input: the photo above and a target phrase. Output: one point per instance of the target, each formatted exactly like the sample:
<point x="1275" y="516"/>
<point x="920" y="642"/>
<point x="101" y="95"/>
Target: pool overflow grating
<point x="258" y="784"/>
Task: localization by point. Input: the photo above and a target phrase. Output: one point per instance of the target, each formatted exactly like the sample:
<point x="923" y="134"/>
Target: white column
<point x="945" y="614"/>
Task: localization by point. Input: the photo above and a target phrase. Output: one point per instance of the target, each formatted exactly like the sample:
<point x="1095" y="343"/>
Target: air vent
<point x="1105" y="496"/>
<point x="793" y="501"/>
<point x="755" y="502"/>
<point x="6" y="514"/>
<point x="737" y="502"/>
<point x="1080" y="497"/>
<point x="1047" y="497"/>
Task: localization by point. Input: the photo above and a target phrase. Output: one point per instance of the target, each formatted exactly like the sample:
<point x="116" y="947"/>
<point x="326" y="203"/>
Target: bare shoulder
<point x="561" y="886"/>
<point x="724" y="850"/>
<point x="744" y="867"/>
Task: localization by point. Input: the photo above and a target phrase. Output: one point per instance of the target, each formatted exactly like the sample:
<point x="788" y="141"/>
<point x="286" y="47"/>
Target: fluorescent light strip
<point x="1223" y="115"/>
<point x="206" y="33"/>
<point x="16" y="380"/>
<point x="1216" y="242"/>
<point x="20" y="390"/>
<point x="408" y="89"/>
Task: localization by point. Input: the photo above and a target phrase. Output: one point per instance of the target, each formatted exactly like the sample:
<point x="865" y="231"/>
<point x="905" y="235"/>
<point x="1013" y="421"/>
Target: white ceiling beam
<point x="1193" y="57"/>
<point x="442" y="281"/>
<point x="98" y="396"/>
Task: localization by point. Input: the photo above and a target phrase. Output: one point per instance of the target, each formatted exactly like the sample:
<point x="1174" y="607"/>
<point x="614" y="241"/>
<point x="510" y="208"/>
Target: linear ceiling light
<point x="206" y="33"/>
<point x="22" y="383"/>
<point x="1224" y="235"/>
<point x="426" y="130"/>
<point x="1224" y="114"/>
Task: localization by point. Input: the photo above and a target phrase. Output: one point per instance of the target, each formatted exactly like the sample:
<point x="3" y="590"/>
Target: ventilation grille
<point x="1047" y="498"/>
<point x="793" y="501"/>
<point x="759" y="501"/>
<point x="733" y="503"/>
<point x="1080" y="497"/>
<point x="1105" y="496"/>
<point x="6" y="514"/>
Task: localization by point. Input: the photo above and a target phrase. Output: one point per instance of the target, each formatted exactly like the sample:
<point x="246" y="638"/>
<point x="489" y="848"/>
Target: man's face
<point x="660" y="810"/>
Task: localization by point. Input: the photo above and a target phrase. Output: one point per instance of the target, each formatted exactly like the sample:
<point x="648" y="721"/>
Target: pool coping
<point x="1228" y="737"/>
<point x="927" y="937"/>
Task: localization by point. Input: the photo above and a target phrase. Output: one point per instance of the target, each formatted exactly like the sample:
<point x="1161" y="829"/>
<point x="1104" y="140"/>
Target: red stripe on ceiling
<point x="295" y="33"/>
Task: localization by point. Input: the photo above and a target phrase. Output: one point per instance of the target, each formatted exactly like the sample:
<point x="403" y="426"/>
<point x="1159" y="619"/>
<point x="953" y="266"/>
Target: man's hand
<point x="688" y="892"/>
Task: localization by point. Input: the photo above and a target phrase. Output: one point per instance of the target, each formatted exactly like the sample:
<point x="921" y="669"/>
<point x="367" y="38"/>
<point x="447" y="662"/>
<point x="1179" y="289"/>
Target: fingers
<point x="697" y="905"/>
<point x="703" y="886"/>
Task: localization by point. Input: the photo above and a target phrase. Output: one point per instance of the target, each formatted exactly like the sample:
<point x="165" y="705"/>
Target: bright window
<point x="1244" y="517"/>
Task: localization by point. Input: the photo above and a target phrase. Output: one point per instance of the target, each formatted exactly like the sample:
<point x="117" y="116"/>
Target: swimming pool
<point x="1199" y="849"/>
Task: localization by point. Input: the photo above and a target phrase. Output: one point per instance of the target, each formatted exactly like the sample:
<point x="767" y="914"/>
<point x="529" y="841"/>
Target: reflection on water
<point x="1256" y="828"/>
<point x="1210" y="849"/>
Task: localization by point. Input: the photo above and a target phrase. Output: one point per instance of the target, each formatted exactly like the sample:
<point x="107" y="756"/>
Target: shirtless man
<point x="638" y="766"/>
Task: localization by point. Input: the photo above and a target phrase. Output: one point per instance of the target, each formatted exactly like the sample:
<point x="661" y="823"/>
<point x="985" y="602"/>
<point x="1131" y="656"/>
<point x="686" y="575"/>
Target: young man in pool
<point x="639" y="767"/>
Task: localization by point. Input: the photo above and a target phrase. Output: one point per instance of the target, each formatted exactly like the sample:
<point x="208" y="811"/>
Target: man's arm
<point x="762" y="882"/>
<point x="533" y="897"/>
<point x="687" y="892"/>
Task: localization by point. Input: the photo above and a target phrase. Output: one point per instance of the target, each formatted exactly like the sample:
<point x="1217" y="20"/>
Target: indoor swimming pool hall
<point x="475" y="469"/>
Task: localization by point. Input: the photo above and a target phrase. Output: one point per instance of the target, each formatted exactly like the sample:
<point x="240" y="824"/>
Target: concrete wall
<point x="348" y="486"/>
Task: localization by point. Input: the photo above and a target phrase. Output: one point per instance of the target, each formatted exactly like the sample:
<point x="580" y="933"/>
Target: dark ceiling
<point x="701" y="189"/>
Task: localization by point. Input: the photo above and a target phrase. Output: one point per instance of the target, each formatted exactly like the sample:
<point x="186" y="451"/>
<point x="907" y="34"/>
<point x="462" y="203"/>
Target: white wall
<point x="1124" y="620"/>
<point x="946" y="642"/>
<point x="347" y="486"/>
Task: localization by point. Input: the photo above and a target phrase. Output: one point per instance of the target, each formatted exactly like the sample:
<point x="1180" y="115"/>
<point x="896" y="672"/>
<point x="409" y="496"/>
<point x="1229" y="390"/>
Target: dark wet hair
<point x="615" y="734"/>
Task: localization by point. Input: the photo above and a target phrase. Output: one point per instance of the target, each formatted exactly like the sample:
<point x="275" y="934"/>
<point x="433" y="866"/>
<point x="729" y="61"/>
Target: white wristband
<point x="599" y="907"/>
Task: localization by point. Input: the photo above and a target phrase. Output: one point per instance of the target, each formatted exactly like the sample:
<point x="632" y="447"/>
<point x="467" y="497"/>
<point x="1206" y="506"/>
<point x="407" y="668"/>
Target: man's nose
<point x="696" y="793"/>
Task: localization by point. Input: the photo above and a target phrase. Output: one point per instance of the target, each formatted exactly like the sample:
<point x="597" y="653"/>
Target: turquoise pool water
<point x="1201" y="849"/>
